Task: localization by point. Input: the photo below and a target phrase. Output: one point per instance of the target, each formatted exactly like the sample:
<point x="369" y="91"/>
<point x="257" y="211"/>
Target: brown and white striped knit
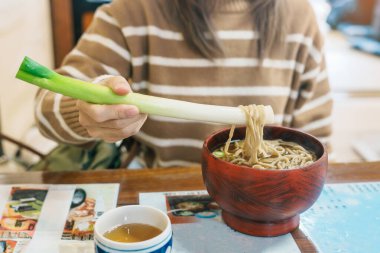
<point x="134" y="39"/>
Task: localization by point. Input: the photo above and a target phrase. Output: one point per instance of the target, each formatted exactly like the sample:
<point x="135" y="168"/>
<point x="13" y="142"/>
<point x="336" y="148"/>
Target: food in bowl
<point x="190" y="206"/>
<point x="258" y="153"/>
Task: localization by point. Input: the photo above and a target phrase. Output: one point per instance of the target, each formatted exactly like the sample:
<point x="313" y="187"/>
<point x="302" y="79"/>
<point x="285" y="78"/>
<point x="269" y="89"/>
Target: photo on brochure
<point x="81" y="218"/>
<point x="21" y="212"/>
<point x="190" y="208"/>
<point x="7" y="246"/>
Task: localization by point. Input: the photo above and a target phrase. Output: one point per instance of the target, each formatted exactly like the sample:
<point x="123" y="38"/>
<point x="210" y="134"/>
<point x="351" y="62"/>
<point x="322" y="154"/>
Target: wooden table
<point x="132" y="182"/>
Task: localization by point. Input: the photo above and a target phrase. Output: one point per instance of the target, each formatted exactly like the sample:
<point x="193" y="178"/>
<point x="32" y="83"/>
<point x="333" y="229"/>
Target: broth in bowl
<point x="133" y="232"/>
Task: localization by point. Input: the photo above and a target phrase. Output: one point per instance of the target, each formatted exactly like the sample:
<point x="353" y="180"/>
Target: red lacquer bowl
<point x="263" y="202"/>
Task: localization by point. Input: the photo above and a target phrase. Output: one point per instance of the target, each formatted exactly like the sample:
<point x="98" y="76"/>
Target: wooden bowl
<point x="263" y="202"/>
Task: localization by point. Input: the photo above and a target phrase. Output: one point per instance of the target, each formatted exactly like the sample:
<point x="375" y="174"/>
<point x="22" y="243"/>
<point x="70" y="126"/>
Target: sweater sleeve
<point x="101" y="50"/>
<point x="312" y="106"/>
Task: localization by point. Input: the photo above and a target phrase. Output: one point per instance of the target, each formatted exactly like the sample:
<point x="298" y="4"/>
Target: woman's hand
<point x="111" y="123"/>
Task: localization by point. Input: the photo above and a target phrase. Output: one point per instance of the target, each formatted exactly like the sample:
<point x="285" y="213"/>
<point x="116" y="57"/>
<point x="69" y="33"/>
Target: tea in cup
<point x="133" y="228"/>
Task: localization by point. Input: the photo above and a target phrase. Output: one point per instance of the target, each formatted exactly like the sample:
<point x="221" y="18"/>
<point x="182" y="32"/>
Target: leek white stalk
<point x="34" y="73"/>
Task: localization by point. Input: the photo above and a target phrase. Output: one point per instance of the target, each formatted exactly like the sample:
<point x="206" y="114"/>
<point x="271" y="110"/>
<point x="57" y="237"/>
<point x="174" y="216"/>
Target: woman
<point x="225" y="52"/>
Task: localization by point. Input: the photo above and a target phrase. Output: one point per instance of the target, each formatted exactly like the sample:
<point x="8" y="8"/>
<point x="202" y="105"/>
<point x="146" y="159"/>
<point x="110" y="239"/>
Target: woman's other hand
<point x="111" y="123"/>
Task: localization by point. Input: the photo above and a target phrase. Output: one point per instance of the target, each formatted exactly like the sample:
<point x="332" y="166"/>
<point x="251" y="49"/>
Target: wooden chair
<point x="20" y="147"/>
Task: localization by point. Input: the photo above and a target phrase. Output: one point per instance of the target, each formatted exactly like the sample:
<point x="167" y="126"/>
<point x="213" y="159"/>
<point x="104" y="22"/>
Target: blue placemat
<point x="345" y="218"/>
<point x="356" y="30"/>
<point x="364" y="44"/>
<point x="361" y="37"/>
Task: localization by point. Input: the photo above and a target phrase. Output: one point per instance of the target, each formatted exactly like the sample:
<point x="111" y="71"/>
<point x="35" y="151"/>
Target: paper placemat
<point x="204" y="231"/>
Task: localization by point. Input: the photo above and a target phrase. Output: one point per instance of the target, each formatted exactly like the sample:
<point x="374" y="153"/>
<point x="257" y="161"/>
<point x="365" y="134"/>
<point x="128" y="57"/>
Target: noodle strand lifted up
<point x="258" y="153"/>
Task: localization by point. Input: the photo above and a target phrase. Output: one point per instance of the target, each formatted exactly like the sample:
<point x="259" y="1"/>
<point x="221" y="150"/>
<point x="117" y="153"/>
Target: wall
<point x="25" y="29"/>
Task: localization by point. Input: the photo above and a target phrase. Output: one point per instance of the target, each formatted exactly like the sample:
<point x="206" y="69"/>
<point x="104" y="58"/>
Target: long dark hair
<point x="194" y="18"/>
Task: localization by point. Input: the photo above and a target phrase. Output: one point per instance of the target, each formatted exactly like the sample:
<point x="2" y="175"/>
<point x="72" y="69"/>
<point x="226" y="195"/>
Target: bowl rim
<point x="323" y="157"/>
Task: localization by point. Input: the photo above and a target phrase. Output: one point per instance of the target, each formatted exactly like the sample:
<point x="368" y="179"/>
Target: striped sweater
<point x="134" y="39"/>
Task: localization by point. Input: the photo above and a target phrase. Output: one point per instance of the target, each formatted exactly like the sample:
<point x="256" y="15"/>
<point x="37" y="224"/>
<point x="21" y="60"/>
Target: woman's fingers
<point x="87" y="121"/>
<point x="102" y="113"/>
<point x="118" y="84"/>
<point x="112" y="134"/>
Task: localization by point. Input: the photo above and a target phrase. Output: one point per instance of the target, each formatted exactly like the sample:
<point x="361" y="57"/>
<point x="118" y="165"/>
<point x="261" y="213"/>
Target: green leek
<point x="34" y="73"/>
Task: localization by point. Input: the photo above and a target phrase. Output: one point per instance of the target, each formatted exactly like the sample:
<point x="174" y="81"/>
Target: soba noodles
<point x="258" y="153"/>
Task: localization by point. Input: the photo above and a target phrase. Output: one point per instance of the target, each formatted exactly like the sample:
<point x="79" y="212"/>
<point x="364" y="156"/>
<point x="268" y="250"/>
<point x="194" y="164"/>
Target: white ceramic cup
<point x="162" y="243"/>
